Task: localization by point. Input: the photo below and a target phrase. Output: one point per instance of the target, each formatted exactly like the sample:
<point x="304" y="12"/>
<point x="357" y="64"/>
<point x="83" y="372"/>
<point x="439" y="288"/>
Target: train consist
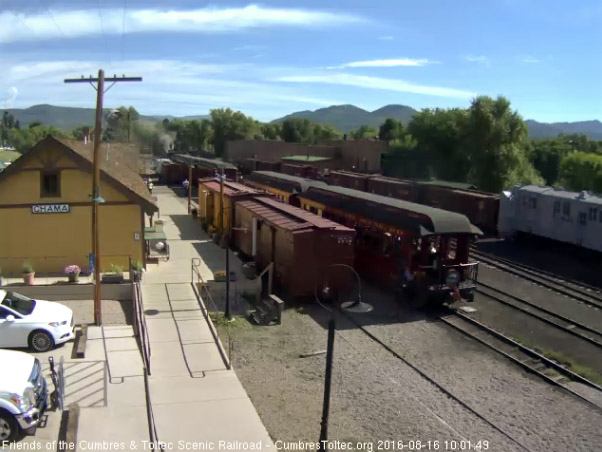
<point x="419" y="251"/>
<point x="481" y="208"/>
<point x="553" y="213"/>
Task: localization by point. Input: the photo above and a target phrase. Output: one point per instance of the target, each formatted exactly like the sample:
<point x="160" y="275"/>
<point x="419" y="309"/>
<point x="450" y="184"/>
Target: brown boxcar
<point x="481" y="208"/>
<point x="302" y="246"/>
<point x="394" y="188"/>
<point x="357" y="181"/>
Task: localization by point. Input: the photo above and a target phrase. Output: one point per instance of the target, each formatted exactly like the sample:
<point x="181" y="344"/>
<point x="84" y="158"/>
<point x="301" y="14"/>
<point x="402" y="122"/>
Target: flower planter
<point x="136" y="275"/>
<point x="29" y="278"/>
<point x="73" y="277"/>
<point x="112" y="278"/>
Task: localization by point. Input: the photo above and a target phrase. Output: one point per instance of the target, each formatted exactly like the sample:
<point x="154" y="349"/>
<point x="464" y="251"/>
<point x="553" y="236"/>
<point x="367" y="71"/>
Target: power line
<point x="104" y="36"/>
<point x="22" y="21"/>
<point x="52" y="17"/>
<point x="123" y="30"/>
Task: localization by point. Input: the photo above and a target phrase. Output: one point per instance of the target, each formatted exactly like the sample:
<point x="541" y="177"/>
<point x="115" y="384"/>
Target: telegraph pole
<point x="96" y="198"/>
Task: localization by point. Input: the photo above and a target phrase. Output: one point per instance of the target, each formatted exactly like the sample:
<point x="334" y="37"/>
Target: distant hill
<point x="349" y="117"/>
<point x="343" y="117"/>
<point x="70" y="117"/>
<point x="593" y="129"/>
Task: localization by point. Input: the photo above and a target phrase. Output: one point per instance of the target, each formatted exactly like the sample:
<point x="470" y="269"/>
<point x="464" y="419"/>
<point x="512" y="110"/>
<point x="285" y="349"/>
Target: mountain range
<point x="342" y="117"/>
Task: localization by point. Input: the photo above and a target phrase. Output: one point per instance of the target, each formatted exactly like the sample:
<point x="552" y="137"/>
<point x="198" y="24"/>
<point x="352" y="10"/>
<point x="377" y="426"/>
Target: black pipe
<point x="327" y="379"/>
<point x="227" y="313"/>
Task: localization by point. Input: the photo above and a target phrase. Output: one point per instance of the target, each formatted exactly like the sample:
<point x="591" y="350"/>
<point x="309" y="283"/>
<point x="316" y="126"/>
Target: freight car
<point x="553" y="213"/>
<point x="481" y="208"/>
<point x="414" y="249"/>
<point x="176" y="172"/>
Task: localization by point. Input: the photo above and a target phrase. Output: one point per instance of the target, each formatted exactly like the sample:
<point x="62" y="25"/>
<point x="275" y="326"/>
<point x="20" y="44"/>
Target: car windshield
<point x="20" y="303"/>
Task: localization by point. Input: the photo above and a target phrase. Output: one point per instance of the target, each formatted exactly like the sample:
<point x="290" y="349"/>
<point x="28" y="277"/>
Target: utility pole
<point x="222" y="177"/>
<point x="96" y="198"/>
<point x="189" y="187"/>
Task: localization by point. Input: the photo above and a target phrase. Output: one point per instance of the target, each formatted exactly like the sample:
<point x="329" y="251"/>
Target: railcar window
<point x="556" y="207"/>
<point x="582" y="218"/>
<point x="533" y="203"/>
<point x="566" y="209"/>
<point x="593" y="214"/>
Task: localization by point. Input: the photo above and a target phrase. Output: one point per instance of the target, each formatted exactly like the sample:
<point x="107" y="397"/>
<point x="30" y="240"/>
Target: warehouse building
<point x="45" y="208"/>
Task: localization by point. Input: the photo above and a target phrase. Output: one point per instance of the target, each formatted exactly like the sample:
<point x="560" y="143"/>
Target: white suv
<point x="23" y="394"/>
<point x="31" y="323"/>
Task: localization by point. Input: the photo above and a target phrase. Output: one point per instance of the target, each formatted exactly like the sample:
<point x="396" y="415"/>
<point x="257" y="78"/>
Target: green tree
<point x="364" y="132"/>
<point x="230" y="125"/>
<point x="496" y="143"/>
<point x="324" y="132"/>
<point x="582" y="171"/>
<point x="391" y="129"/>
<point x="296" y="130"/>
<point x="440" y="135"/>
<point x="271" y="131"/>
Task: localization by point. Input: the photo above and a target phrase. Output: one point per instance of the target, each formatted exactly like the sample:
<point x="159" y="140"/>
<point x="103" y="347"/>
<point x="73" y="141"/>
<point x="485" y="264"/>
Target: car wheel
<point x="8" y="427"/>
<point x="40" y="341"/>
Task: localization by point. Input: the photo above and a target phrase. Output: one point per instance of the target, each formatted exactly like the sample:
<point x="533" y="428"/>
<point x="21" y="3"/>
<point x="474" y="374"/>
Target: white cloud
<point x="11" y="96"/>
<point x="206" y="20"/>
<point x="386" y="38"/>
<point x="481" y="59"/>
<point x="376" y="83"/>
<point x="168" y="86"/>
<point x="531" y="60"/>
<point x="384" y="63"/>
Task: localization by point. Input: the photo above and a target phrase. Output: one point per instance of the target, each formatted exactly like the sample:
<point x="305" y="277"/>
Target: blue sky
<point x="272" y="58"/>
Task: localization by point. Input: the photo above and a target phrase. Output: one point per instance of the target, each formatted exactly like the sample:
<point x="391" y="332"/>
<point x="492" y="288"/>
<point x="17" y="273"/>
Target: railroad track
<point x="527" y="358"/>
<point x="572" y="289"/>
<point x="564" y="323"/>
<point x="523" y="356"/>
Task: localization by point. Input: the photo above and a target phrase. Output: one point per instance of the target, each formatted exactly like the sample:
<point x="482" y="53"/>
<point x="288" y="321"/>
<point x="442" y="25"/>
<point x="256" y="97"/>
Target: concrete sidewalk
<point x="195" y="398"/>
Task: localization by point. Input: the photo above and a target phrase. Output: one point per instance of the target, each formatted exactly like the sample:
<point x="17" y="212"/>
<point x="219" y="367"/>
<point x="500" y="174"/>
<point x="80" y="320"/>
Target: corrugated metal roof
<point x="584" y="196"/>
<point x="201" y="161"/>
<point x="288" y="217"/>
<point x="282" y="181"/>
<point x="230" y="188"/>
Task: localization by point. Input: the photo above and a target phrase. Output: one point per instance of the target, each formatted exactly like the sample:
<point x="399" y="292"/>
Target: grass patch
<point x="579" y="369"/>
<point x="238" y="321"/>
<point x="568" y="361"/>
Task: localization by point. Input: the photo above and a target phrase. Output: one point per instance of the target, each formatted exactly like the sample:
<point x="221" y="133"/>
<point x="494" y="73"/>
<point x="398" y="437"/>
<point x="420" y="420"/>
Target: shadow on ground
<point x="564" y="260"/>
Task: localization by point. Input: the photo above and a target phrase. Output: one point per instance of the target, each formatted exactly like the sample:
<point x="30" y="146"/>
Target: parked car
<point x="37" y="324"/>
<point x="23" y="394"/>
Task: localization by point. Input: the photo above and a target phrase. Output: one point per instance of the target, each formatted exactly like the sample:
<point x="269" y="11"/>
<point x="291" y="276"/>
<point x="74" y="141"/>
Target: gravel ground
<point x="580" y="312"/>
<point x="113" y="312"/>
<point x="376" y="397"/>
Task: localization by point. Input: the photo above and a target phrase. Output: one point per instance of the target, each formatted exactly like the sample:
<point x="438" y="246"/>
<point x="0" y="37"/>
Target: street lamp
<point x="357" y="306"/>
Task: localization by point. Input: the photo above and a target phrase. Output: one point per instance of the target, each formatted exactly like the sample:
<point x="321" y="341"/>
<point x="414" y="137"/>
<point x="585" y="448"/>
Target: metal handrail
<point x="226" y="355"/>
<point x="152" y="425"/>
<point x="141" y="327"/>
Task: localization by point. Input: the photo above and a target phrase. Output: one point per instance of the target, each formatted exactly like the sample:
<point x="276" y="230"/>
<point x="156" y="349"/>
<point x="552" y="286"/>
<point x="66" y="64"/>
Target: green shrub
<point x="27" y="267"/>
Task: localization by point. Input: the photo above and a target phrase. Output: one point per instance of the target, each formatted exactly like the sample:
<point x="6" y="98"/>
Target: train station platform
<point x="195" y="398"/>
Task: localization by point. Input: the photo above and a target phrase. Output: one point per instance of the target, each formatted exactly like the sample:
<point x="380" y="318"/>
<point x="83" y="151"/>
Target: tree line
<point x="486" y="144"/>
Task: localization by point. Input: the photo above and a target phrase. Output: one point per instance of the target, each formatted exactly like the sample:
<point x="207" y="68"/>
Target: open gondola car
<point x="421" y="252"/>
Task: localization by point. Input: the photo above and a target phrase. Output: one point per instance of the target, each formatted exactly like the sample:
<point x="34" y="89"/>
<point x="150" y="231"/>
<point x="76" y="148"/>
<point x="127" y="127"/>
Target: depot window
<point x="50" y="184"/>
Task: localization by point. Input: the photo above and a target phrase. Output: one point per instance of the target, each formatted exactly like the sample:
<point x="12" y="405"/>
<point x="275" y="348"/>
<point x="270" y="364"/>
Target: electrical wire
<point x="123" y="30"/>
<point x="104" y="36"/>
<point x="52" y="18"/>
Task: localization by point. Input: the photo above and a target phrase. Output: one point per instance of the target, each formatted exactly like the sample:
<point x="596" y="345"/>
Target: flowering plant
<point x="72" y="269"/>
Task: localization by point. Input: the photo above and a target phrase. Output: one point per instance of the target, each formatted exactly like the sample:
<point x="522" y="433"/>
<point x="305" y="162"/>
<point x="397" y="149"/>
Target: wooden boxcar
<point x="210" y="210"/>
<point x="357" y="181"/>
<point x="401" y="244"/>
<point x="481" y="208"/>
<point x="405" y="190"/>
<point x="302" y="246"/>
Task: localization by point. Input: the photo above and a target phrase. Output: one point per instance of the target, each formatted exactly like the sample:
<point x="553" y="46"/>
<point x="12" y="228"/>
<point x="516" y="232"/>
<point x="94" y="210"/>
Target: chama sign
<point x="50" y="208"/>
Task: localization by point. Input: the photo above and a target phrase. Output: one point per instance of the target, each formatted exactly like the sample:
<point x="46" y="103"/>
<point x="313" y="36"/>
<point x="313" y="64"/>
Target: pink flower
<point x="72" y="269"/>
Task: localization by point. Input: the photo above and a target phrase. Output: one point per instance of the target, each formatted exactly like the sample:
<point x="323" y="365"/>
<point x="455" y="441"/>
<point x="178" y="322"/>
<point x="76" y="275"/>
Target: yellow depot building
<point x="46" y="208"/>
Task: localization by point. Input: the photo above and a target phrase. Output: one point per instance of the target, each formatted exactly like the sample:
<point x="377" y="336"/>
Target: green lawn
<point x="8" y="156"/>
